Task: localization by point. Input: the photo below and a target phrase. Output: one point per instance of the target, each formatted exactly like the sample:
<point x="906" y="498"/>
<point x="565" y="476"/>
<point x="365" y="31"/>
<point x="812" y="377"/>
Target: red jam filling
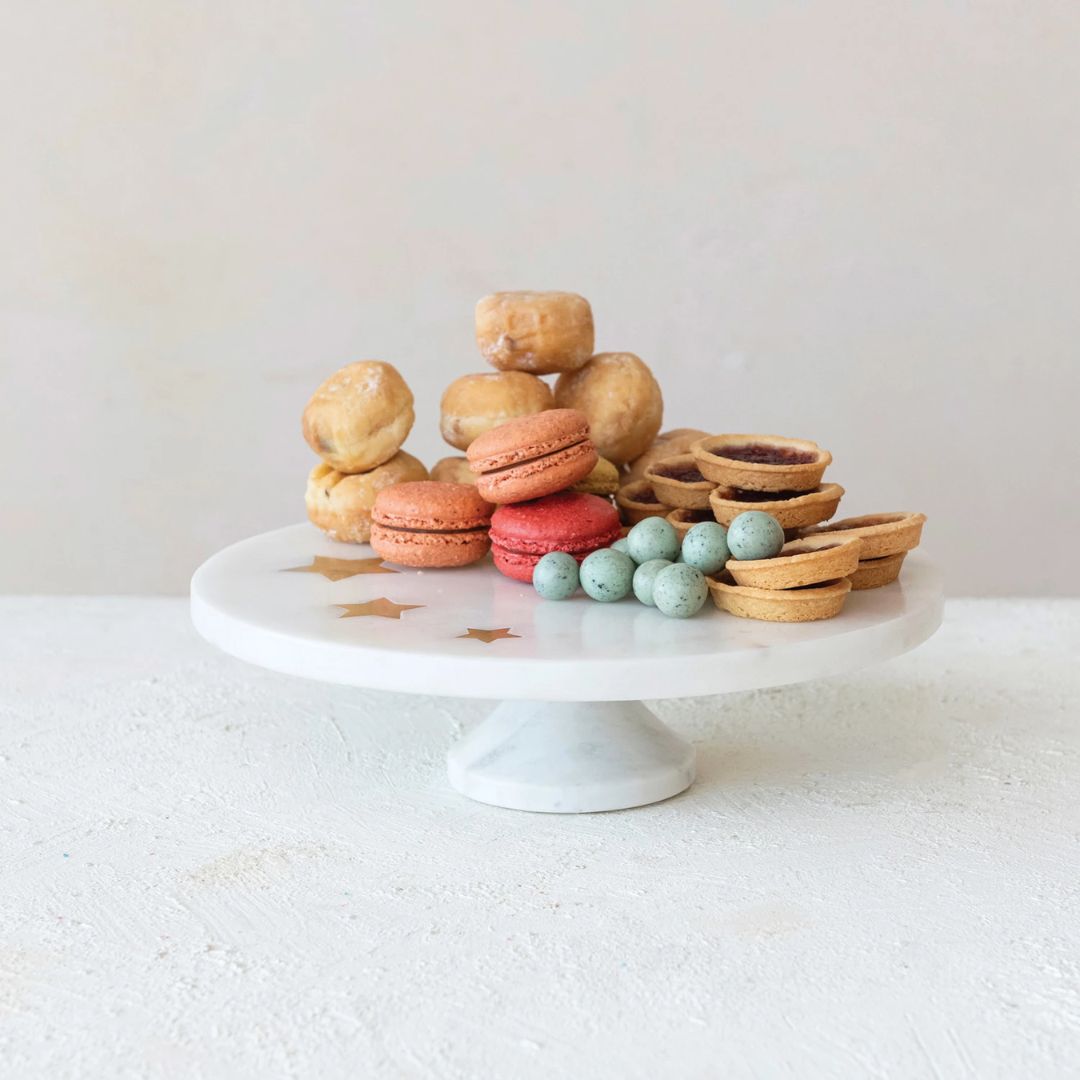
<point x="696" y="516"/>
<point x="682" y="474"/>
<point x="642" y="495"/>
<point x="762" y="454"/>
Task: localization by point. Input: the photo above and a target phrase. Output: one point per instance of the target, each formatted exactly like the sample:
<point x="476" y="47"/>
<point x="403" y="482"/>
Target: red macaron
<point x="531" y="456"/>
<point x="523" y="533"/>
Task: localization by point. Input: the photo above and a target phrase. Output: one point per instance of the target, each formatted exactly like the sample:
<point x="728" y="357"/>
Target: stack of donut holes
<point x="359" y="418"/>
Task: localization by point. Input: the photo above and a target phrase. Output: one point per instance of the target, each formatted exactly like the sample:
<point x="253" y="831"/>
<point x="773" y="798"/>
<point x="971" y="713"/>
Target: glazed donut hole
<point x="474" y="404"/>
<point x="359" y="417"/>
<point x="537" y="332"/>
<point x="622" y="401"/>
<point x="340" y="503"/>
<point x="453" y="470"/>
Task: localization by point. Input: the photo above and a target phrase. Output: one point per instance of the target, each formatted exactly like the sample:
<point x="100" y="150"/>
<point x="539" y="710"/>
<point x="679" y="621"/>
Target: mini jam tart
<point x="881" y="534"/>
<point x="761" y="462"/>
<point x="800" y="563"/>
<point x="678" y="481"/>
<point x="873" y="573"/>
<point x="684" y="520"/>
<point x="793" y="509"/>
<point x="637" y="501"/>
<point x="805" y="604"/>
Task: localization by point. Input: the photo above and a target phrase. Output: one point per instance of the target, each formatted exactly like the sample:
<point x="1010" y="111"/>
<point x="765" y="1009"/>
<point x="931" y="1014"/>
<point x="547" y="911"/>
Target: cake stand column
<point x="571" y="757"/>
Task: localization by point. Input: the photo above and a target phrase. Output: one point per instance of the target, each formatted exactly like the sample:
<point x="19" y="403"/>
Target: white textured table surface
<point x="209" y="870"/>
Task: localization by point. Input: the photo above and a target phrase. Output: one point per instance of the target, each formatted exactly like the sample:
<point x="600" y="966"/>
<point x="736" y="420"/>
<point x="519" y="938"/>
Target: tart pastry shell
<point x="796" y="513"/>
<point x="881" y="534"/>
<point x="632" y="509"/>
<point x="780" y="605"/>
<point x="681" y="494"/>
<point x="684" y="520"/>
<point x="873" y="573"/>
<point x="800" y="563"/>
<point x="761" y="476"/>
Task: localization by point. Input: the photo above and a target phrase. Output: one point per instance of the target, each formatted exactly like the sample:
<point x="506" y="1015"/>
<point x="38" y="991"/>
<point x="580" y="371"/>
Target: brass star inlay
<point x="339" y="569"/>
<point x="488" y="636"/>
<point x="383" y="608"/>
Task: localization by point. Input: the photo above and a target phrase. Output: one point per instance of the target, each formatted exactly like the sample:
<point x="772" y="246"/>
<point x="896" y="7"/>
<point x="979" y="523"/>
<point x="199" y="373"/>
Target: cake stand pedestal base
<point x="571" y="757"/>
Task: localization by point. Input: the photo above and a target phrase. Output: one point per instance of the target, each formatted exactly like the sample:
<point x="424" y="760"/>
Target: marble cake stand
<point x="570" y="734"/>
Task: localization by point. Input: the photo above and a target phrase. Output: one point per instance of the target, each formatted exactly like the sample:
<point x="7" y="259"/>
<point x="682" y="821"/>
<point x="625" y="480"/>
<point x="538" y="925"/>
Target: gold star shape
<point x="339" y="569"/>
<point x="383" y="608"/>
<point x="488" y="636"/>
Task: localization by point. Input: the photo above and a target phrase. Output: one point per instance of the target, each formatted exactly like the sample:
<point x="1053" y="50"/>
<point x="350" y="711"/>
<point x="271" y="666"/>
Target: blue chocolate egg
<point x="621" y="545"/>
<point x="705" y="547"/>
<point x="755" y="535"/>
<point x="644" y="576"/>
<point x="680" y="590"/>
<point x="652" y="538"/>
<point x="555" y="576"/>
<point x="607" y="574"/>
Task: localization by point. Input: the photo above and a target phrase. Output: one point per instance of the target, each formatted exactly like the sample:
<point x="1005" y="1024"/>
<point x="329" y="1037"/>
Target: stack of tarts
<point x="811" y="576"/>
<point x="886" y="539"/>
<point x="695" y="477"/>
<point x="806" y="581"/>
<point x="778" y="476"/>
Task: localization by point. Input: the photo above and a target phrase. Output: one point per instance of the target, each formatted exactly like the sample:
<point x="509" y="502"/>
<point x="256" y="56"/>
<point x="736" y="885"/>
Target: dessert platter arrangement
<point x="565" y="498"/>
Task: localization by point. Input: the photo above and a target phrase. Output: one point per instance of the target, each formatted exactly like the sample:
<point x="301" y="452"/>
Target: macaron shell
<point x="538" y="477"/>
<point x="527" y="437"/>
<point x="429" y="550"/>
<point x="432" y="505"/>
<point x="516" y="565"/>
<point x="569" y="521"/>
<point x="573" y="522"/>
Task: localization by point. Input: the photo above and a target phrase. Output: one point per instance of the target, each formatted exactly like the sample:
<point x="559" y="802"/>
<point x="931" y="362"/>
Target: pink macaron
<point x="532" y="456"/>
<point x="570" y="521"/>
<point x="427" y="523"/>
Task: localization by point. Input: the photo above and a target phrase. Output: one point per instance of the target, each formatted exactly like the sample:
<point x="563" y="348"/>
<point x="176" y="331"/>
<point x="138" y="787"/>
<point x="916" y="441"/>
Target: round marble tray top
<point x="294" y="601"/>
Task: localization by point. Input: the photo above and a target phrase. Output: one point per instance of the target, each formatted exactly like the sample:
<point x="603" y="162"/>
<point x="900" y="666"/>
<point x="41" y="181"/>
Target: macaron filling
<point x="432" y="532"/>
<point x="540" y="457"/>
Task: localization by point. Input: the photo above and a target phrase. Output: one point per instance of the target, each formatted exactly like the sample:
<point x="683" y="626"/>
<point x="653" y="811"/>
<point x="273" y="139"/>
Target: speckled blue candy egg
<point x="644" y="576"/>
<point x="607" y="574"/>
<point x="679" y="590"/>
<point x="705" y="547"/>
<point x="755" y="535"/>
<point x="621" y="545"/>
<point x="652" y="538"/>
<point x="555" y="576"/>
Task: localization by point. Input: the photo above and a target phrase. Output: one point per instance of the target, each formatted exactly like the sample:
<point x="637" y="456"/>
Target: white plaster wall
<point x="851" y="220"/>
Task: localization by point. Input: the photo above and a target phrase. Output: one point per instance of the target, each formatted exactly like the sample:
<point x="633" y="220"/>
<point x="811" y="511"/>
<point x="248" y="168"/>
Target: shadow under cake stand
<point x="570" y="734"/>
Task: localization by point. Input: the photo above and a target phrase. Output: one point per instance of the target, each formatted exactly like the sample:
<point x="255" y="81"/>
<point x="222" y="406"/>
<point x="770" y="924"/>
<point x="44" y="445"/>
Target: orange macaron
<point x="532" y="456"/>
<point x="428" y="524"/>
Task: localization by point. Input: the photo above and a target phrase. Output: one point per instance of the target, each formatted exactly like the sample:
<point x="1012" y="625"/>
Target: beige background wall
<point x="849" y="220"/>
